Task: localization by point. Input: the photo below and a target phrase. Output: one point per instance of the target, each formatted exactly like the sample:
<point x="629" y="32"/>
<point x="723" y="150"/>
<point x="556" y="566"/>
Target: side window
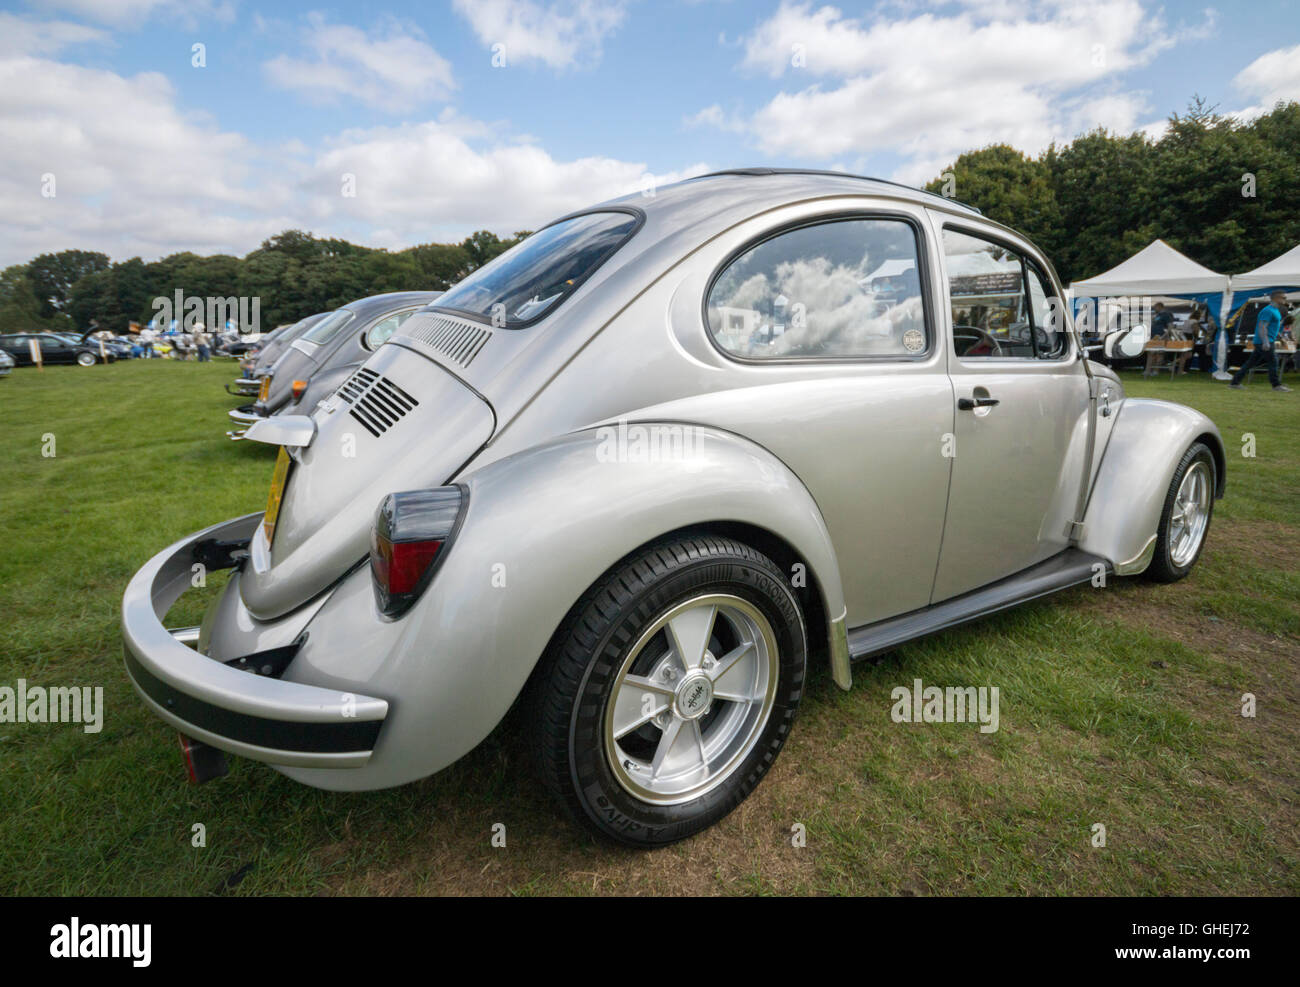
<point x="1047" y="312"/>
<point x="382" y="331"/>
<point x="1001" y="304"/>
<point x="840" y="289"/>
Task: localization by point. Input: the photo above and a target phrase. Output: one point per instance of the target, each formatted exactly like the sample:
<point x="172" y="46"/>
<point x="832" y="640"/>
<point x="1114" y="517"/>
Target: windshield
<point x="531" y="278"/>
<point x="328" y="327"/>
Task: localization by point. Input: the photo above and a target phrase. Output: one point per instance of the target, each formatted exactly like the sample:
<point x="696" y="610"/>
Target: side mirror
<point x="1127" y="343"/>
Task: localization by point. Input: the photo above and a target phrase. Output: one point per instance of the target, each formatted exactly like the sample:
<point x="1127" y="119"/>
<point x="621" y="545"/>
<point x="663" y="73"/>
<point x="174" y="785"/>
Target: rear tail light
<point x="412" y="533"/>
<point x="299" y="386"/>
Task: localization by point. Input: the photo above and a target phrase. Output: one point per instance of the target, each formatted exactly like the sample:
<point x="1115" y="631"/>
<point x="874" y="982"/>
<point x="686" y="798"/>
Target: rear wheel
<point x="86" y="359"/>
<point x="670" y="689"/>
<point x="1185" y="520"/>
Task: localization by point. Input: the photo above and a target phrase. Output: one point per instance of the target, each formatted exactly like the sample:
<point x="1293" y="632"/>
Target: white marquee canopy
<point x="1157" y="269"/>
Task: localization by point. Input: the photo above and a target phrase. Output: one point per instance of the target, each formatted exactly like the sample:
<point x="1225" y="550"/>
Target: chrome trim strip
<point x="1140" y="561"/>
<point x="839" y="643"/>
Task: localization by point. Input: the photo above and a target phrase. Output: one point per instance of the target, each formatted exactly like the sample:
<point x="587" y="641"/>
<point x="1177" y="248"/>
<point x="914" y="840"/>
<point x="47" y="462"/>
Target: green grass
<point x="1118" y="706"/>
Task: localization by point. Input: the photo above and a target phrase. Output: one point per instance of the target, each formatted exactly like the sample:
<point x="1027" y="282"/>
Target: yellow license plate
<point x="278" y="479"/>
<point x="265" y="389"/>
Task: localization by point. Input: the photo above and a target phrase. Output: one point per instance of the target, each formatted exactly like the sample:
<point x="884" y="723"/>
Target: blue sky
<point x="150" y="154"/>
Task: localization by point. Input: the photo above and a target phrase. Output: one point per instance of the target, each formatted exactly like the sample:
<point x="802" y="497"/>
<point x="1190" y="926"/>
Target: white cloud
<point x="392" y="68"/>
<point x="20" y="36"/>
<point x="451" y="173"/>
<point x="126" y="13"/>
<point x="927" y="85"/>
<point x="137" y="174"/>
<point x="715" y="116"/>
<point x="132" y="173"/>
<point x="1271" y="77"/>
<point x="560" y="35"/>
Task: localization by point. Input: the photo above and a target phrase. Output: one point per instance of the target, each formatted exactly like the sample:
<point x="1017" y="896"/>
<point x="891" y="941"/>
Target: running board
<point x="1071" y="567"/>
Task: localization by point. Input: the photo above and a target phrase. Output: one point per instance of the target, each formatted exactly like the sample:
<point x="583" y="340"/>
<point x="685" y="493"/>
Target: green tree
<point x="53" y="275"/>
<point x="1006" y="185"/>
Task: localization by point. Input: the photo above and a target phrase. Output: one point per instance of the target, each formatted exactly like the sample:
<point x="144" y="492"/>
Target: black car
<point x="54" y="349"/>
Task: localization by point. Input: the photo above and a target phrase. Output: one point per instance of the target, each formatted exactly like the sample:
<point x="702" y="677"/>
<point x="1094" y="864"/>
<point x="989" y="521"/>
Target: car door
<point x="55" y="350"/>
<point x="842" y="376"/>
<point x="1021" y="414"/>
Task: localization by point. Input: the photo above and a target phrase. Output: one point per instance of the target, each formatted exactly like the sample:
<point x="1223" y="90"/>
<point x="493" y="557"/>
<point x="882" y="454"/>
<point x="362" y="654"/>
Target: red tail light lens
<point x="412" y="533"/>
<point x="299" y="386"/>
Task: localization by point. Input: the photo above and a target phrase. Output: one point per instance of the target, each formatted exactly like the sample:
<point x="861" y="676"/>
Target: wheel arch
<point x="1128" y="493"/>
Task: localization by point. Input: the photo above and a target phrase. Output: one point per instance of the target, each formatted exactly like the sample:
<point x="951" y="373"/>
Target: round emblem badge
<point x="914" y="340"/>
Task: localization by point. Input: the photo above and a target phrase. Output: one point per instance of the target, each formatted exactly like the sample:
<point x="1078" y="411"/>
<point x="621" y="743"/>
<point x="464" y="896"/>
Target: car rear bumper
<point x="253" y="715"/>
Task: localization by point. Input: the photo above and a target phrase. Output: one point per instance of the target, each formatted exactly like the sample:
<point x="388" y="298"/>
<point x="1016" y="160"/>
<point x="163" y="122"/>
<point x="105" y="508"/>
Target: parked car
<point x="644" y="468"/>
<point x="257" y="363"/>
<point x="342" y="338"/>
<point x="120" y="349"/>
<point x="6" y="363"/>
<point x="55" y="349"/>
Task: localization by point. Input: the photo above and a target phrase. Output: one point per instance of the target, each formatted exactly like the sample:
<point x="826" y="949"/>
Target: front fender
<point x="1148" y="440"/>
<point x="540" y="528"/>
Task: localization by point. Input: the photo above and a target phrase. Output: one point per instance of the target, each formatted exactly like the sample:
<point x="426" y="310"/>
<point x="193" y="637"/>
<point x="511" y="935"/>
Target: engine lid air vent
<point x="375" y="401"/>
<point x="459" y="341"/>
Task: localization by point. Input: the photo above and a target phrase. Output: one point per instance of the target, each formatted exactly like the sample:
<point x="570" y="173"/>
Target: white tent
<point x="1155" y="270"/>
<point x="1280" y="272"/>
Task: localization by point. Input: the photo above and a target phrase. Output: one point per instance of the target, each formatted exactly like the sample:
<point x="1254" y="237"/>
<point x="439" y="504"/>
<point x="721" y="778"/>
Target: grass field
<point x="1119" y="706"/>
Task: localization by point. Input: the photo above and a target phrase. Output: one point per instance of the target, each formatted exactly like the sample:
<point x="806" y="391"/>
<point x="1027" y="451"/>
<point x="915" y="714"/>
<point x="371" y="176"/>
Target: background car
<point x="258" y="359"/>
<point x="55" y="349"/>
<point x="6" y="363"/>
<point x="344" y="330"/>
<point x="337" y="365"/>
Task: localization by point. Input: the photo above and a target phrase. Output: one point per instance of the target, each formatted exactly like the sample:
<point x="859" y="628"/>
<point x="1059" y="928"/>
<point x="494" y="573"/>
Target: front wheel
<point x="670" y="689"/>
<point x="86" y="359"/>
<point x="1185" y="519"/>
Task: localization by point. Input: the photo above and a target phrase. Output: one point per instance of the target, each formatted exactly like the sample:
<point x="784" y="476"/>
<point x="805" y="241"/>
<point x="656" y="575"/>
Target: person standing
<point x="204" y="342"/>
<point x="1161" y="323"/>
<point x="1268" y="327"/>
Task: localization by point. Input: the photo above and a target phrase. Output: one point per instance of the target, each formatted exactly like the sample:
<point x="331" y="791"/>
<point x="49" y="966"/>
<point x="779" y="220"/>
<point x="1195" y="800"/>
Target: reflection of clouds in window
<point x="838" y="315"/>
<point x="844" y="288"/>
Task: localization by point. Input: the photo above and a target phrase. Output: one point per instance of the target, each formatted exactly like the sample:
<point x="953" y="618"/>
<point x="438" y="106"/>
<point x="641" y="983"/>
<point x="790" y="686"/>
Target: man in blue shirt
<point x="1268" y="326"/>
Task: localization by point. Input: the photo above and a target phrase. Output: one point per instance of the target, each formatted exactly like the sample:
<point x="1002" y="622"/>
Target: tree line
<point x="294" y="274"/>
<point x="1225" y="193"/>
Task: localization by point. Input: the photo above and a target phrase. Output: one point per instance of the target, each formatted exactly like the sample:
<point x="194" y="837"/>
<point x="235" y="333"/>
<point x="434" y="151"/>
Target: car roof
<point x="737" y="190"/>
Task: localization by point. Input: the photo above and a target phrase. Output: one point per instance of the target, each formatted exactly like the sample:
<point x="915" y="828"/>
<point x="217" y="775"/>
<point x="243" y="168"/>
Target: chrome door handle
<point x="970" y="404"/>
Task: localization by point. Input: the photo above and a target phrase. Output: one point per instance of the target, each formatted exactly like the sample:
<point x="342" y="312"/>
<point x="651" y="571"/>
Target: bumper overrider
<point x="241" y="705"/>
<point x="242" y="418"/>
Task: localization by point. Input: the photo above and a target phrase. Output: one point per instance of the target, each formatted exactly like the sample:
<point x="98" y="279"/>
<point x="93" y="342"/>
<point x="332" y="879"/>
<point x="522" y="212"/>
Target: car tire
<point x="85" y="359"/>
<point x="1185" y="519"/>
<point x="705" y="731"/>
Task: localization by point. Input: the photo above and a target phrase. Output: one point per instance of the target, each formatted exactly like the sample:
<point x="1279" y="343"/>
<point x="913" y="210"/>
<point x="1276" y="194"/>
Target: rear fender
<point x="540" y="528"/>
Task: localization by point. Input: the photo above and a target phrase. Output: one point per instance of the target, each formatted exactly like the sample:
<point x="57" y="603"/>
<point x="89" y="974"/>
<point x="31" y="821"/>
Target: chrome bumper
<point x="245" y="418"/>
<point x="244" y="387"/>
<point x="255" y="716"/>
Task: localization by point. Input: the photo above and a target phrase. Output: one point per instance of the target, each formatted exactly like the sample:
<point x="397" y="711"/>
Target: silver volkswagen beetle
<point x="644" y="469"/>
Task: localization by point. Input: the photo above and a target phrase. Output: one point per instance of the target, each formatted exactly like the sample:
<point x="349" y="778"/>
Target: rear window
<point x="328" y="327"/>
<point x="530" y="279"/>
